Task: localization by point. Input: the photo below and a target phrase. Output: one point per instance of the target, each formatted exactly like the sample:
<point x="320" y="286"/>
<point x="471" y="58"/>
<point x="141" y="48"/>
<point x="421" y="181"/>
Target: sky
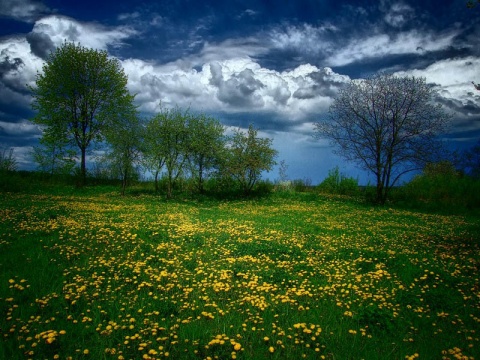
<point x="276" y="64"/>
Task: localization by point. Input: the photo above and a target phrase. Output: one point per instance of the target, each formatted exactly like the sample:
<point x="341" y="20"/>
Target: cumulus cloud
<point x="237" y="85"/>
<point x="19" y="66"/>
<point x="40" y="44"/>
<point x="453" y="80"/>
<point x="23" y="10"/>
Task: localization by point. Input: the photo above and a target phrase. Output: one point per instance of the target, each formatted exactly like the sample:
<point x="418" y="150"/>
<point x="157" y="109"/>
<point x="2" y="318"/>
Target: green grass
<point x="93" y="275"/>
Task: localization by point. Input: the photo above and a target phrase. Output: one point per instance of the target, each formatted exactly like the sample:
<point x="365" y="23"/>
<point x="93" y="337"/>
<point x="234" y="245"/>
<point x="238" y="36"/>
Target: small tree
<point x="125" y="141"/>
<point x="79" y="92"/>
<point x="470" y="161"/>
<point x="166" y="144"/>
<point x="205" y="144"/>
<point x="387" y="125"/>
<point x="247" y="157"/>
<point x="7" y="160"/>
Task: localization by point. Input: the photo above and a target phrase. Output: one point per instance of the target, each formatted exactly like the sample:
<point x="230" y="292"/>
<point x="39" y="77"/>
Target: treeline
<point x="174" y="146"/>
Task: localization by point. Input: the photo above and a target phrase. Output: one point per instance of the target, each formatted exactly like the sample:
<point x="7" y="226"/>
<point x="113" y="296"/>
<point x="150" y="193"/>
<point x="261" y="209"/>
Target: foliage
<point x="125" y="143"/>
<point x="79" y="93"/>
<point x="305" y="277"/>
<point x="440" y="186"/>
<point x="338" y="183"/>
<point x="54" y="155"/>
<point x="387" y="125"/>
<point x="247" y="156"/>
<point x="472" y="3"/>
<point x="470" y="161"/>
<point x="7" y="160"/>
<point x="167" y="144"/>
<point x="205" y="146"/>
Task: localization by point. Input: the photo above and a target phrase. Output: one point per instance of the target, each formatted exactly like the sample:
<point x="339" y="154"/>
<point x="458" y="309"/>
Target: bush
<point x="440" y="187"/>
<point x="301" y="185"/>
<point x="338" y="183"/>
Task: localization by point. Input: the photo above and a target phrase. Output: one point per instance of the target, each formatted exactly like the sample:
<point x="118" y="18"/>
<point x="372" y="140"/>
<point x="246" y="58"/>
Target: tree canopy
<point x="247" y="156"/>
<point x="78" y="95"/>
<point x="388" y="125"/>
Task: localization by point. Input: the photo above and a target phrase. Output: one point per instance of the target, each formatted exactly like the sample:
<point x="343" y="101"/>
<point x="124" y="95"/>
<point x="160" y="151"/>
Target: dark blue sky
<point x="277" y="64"/>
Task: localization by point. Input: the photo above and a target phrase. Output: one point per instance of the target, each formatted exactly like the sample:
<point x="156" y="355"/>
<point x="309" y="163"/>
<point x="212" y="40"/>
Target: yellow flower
<point x="86" y="351"/>
<point x="271" y="349"/>
<point x="237" y="346"/>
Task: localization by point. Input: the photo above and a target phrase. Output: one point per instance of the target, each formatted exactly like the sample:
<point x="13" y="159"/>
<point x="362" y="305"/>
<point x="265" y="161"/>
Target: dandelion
<point x="271" y="349"/>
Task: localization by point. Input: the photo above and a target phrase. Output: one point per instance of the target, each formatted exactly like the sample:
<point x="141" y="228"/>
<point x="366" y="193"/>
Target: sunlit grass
<point x="104" y="276"/>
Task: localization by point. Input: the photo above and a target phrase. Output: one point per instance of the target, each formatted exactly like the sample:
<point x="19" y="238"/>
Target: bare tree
<point x="388" y="125"/>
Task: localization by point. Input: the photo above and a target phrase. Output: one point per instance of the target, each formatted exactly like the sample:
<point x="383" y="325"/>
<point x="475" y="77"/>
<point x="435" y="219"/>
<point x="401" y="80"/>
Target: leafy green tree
<point x="78" y="95"/>
<point x="153" y="154"/>
<point x="124" y="141"/>
<point x="247" y="156"/>
<point x="205" y="144"/>
<point x="166" y="144"/>
<point x="388" y="125"/>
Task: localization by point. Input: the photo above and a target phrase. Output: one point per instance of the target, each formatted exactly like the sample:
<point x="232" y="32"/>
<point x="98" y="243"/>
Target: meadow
<point x="94" y="275"/>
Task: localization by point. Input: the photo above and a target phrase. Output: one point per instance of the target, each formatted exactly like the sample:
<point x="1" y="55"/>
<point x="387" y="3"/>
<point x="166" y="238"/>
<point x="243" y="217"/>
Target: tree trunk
<point x="156" y="181"/>
<point x="379" y="198"/>
<point x="124" y="182"/>
<point x="83" y="169"/>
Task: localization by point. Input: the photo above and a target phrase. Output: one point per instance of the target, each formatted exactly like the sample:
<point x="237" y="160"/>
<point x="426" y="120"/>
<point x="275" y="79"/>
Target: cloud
<point x="305" y="38"/>
<point x="40" y="44"/>
<point x="453" y="80"/>
<point x="383" y="44"/>
<point x="19" y="66"/>
<point x="23" y="10"/>
<point x="236" y="86"/>
<point x="240" y="90"/>
<point x="56" y="29"/>
<point x="397" y="14"/>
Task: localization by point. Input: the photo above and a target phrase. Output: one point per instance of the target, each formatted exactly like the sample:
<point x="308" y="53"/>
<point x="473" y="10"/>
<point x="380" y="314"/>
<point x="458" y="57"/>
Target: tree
<point x="387" y="125"/>
<point x="153" y="158"/>
<point x="166" y="144"/>
<point x="125" y="140"/>
<point x="54" y="156"/>
<point x="7" y="160"/>
<point x="470" y="161"/>
<point x="247" y="156"/>
<point x="80" y="92"/>
<point x="206" y="142"/>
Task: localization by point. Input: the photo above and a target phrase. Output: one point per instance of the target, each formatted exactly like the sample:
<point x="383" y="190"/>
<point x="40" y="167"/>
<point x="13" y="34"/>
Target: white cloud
<point x="380" y="45"/>
<point x="397" y="14"/>
<point x="23" y="10"/>
<point x="93" y="35"/>
<point x="19" y="48"/>
<point x="234" y="85"/>
<point x="453" y="76"/>
<point x="306" y="38"/>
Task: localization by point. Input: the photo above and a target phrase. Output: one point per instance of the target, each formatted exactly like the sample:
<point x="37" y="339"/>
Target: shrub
<point x="338" y="183"/>
<point x="440" y="186"/>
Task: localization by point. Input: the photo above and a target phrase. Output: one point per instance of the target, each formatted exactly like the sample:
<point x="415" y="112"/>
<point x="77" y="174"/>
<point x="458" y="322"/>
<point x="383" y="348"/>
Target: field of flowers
<point x="110" y="277"/>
